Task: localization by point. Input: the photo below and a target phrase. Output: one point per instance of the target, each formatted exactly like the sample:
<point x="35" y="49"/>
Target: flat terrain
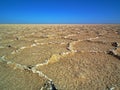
<point x="65" y="57"/>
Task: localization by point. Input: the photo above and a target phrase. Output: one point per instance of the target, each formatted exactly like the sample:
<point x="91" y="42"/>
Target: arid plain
<point x="62" y="57"/>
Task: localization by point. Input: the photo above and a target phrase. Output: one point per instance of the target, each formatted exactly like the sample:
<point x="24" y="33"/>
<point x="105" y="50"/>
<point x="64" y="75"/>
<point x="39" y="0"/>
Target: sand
<point x="62" y="57"/>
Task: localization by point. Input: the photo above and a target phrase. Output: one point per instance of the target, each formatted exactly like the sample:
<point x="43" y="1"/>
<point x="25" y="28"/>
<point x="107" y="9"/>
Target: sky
<point x="59" y="11"/>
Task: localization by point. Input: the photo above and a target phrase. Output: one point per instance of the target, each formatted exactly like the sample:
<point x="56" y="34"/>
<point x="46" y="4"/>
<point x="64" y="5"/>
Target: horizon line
<point x="59" y="23"/>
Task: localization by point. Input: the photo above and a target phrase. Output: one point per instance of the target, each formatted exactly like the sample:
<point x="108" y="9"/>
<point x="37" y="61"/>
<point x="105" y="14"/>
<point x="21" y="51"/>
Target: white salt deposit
<point x="33" y="45"/>
<point x="22" y="48"/>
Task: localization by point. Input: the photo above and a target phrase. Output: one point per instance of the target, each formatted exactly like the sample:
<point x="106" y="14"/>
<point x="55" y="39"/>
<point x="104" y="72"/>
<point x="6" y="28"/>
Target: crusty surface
<point x="74" y="57"/>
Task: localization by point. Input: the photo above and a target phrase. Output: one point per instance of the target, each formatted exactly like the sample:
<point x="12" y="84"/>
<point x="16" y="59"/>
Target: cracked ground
<point x="73" y="57"/>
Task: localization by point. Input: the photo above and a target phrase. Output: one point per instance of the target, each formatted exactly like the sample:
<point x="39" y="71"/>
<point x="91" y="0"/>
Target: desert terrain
<point x="59" y="57"/>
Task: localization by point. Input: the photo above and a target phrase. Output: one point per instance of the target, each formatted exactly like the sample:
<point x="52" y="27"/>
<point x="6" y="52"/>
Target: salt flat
<point x="65" y="57"/>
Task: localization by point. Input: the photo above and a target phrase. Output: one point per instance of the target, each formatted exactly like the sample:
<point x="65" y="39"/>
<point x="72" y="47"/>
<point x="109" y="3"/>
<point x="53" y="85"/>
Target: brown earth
<point x="73" y="57"/>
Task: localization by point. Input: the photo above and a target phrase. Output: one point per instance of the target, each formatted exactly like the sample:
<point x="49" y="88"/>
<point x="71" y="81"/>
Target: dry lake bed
<point x="59" y="57"/>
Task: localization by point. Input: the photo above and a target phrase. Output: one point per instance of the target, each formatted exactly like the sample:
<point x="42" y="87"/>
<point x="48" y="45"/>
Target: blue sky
<point x="59" y="11"/>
